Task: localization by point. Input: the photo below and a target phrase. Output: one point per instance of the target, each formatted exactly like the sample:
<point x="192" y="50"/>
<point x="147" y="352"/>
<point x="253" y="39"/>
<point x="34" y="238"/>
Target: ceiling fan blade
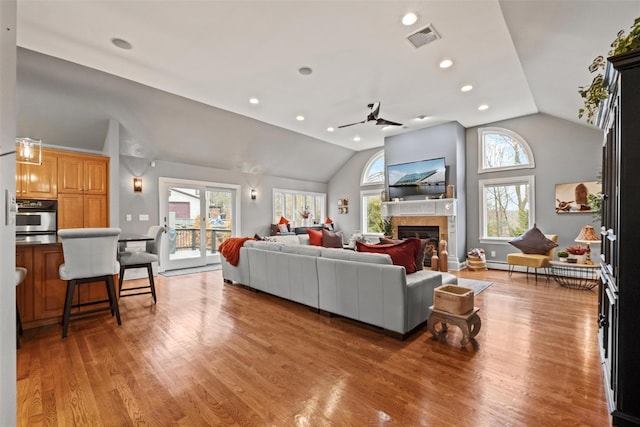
<point x="351" y="124"/>
<point x="384" y="122"/>
<point x="375" y="110"/>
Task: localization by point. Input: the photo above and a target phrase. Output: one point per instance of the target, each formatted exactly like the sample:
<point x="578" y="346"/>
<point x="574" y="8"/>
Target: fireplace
<point x="430" y="232"/>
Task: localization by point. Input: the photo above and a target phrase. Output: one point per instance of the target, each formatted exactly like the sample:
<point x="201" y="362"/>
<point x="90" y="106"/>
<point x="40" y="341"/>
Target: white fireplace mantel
<point x="431" y="208"/>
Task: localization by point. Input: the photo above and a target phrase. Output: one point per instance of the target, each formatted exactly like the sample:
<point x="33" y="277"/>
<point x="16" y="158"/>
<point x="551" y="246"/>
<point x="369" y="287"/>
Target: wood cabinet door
<point x="41" y="181"/>
<point x="19" y="179"/>
<point x="70" y="211"/>
<point x="49" y="289"/>
<point x="70" y="174"/>
<point x="95" y="176"/>
<point x="96" y="213"/>
<point x="24" y="291"/>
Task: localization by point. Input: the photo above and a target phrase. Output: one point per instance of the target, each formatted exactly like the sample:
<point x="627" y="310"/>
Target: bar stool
<point x="141" y="259"/>
<point x="89" y="256"/>
<point x="21" y="274"/>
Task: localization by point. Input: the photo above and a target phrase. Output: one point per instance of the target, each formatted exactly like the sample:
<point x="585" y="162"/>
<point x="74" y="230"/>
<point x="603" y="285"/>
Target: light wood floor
<point x="215" y="354"/>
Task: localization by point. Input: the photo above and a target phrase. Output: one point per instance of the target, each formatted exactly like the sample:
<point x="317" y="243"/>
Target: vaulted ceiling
<point x="520" y="56"/>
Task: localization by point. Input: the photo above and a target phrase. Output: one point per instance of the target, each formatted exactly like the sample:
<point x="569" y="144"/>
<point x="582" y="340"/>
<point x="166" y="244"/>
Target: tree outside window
<point x="507" y="207"/>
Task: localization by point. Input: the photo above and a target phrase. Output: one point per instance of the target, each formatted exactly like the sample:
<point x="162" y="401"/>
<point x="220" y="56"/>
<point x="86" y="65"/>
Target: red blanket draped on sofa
<point x="230" y="249"/>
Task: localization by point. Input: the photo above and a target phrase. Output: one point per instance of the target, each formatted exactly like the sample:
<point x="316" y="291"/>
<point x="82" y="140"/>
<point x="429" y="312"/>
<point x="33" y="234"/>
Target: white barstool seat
<point x="89" y="256"/>
<point x="141" y="259"/>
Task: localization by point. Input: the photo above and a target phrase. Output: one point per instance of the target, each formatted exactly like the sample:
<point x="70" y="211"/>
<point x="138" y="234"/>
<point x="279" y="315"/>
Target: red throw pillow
<point x="315" y="237"/>
<point x="403" y="253"/>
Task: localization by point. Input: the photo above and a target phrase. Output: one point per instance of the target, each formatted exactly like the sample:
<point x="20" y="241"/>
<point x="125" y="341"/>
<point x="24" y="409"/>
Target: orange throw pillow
<point x="283" y="220"/>
<point x="402" y="254"/>
<point x="315" y="237"/>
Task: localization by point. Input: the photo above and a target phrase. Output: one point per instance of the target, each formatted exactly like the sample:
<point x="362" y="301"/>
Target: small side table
<point x="469" y="323"/>
<point x="575" y="276"/>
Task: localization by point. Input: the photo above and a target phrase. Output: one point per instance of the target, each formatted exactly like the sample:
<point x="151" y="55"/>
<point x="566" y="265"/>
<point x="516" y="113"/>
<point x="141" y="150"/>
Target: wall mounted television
<point x="422" y="178"/>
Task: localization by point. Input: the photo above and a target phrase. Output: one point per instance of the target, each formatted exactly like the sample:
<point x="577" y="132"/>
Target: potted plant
<point x="577" y="252"/>
<point x="597" y="90"/>
<point x="386" y="227"/>
<point x="563" y="255"/>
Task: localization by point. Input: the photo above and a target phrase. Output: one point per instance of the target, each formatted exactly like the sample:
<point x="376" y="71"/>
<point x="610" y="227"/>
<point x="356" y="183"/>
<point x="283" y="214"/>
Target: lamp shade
<point x="587" y="235"/>
<point x="29" y="151"/>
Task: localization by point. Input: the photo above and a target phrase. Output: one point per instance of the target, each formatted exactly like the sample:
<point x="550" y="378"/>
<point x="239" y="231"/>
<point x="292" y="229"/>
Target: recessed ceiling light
<point x="422" y="117"/>
<point x="356" y="138"/>
<point x="466" y="88"/>
<point x="409" y="19"/>
<point x="330" y="129"/>
<point x="446" y="63"/>
<point x="299" y="117"/>
<point x="121" y="43"/>
<point x="483" y="107"/>
<point x="254" y="100"/>
<point x="305" y="71"/>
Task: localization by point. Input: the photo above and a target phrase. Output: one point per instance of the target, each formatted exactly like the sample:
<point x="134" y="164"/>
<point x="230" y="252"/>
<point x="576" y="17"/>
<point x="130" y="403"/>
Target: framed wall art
<point x="574" y="197"/>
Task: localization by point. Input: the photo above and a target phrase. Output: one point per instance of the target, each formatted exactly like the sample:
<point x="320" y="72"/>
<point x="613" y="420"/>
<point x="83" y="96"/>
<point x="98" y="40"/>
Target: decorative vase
<point x="444" y="256"/>
<point x="562" y="259"/>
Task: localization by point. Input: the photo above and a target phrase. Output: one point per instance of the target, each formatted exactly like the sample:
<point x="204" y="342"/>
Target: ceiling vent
<point x="423" y="36"/>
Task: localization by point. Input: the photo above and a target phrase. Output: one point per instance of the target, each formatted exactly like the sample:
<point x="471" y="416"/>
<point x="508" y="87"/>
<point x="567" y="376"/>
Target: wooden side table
<point x="469" y="323"/>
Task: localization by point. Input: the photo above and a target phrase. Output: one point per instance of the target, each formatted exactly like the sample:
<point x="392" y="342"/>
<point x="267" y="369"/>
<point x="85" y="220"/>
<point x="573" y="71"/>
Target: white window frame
<point x="528" y="179"/>
<point x="365" y="170"/>
<point x="364" y="210"/>
<point x="510" y="134"/>
<point x="299" y="193"/>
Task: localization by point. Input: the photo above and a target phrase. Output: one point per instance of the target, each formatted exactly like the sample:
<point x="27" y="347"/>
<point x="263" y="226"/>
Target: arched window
<point x="502" y="149"/>
<point x="373" y="172"/>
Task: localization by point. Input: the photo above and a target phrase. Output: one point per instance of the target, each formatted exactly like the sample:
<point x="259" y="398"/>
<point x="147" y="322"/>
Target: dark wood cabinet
<point x="619" y="290"/>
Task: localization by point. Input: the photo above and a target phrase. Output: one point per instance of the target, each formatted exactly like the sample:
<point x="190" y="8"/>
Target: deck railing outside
<point x="189" y="238"/>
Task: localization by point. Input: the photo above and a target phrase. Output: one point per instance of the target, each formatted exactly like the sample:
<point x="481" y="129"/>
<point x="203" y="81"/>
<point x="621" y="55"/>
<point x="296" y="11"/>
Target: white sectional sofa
<point x="363" y="286"/>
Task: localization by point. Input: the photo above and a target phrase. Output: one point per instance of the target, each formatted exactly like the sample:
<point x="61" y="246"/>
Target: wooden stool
<point x="469" y="323"/>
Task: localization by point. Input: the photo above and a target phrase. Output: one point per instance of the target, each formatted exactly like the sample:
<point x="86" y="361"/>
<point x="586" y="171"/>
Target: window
<point x="371" y="211"/>
<point x="506" y="207"/>
<point x="373" y="172"/>
<point x="290" y="204"/>
<point x="502" y="149"/>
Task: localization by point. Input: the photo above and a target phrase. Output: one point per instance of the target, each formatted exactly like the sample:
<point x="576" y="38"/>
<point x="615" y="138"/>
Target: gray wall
<point x="7" y="232"/>
<point x="447" y="140"/>
<point x="257" y="215"/>
<point x="564" y="152"/>
<point x="346" y="184"/>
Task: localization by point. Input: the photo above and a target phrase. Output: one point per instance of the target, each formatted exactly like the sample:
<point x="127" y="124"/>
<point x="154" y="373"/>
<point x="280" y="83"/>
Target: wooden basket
<point x="475" y="263"/>
<point x="453" y="299"/>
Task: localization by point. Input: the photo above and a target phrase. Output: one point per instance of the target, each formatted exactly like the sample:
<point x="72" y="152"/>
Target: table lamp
<point x="588" y="235"/>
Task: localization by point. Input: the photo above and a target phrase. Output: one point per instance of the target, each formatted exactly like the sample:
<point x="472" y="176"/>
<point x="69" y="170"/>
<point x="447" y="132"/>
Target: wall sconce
<point x="254" y="194"/>
<point x="29" y="151"/>
<point x="137" y="184"/>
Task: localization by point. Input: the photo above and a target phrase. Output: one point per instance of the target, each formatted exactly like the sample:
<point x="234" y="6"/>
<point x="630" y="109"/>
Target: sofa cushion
<point x="419" y="255"/>
<point x="302" y="250"/>
<point x="264" y="245"/>
<point x="403" y="253"/>
<point x="331" y="239"/>
<point x="346" y="255"/>
<point x="286" y="240"/>
<point x="315" y="237"/>
<point x="533" y="241"/>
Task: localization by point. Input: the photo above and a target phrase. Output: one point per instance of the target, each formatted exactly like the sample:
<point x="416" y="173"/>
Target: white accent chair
<point x="141" y="259"/>
<point x="21" y="274"/>
<point x="89" y="256"/>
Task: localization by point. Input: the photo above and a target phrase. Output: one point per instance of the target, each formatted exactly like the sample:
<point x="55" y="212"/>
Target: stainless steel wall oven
<point x="36" y="221"/>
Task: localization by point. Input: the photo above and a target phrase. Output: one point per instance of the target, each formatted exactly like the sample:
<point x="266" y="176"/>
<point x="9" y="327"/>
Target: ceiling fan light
<point x="409" y="19"/>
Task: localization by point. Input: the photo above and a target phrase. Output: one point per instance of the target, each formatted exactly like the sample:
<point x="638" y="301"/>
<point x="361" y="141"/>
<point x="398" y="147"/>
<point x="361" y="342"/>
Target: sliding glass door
<point x="198" y="217"/>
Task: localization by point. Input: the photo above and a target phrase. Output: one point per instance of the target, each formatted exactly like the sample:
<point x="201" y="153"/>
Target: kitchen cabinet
<point x="82" y="174"/>
<point x="82" y="191"/>
<point x="38" y="181"/>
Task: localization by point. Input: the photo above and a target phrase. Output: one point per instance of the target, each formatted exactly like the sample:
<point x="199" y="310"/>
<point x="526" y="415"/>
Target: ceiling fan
<point x="373" y="117"/>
